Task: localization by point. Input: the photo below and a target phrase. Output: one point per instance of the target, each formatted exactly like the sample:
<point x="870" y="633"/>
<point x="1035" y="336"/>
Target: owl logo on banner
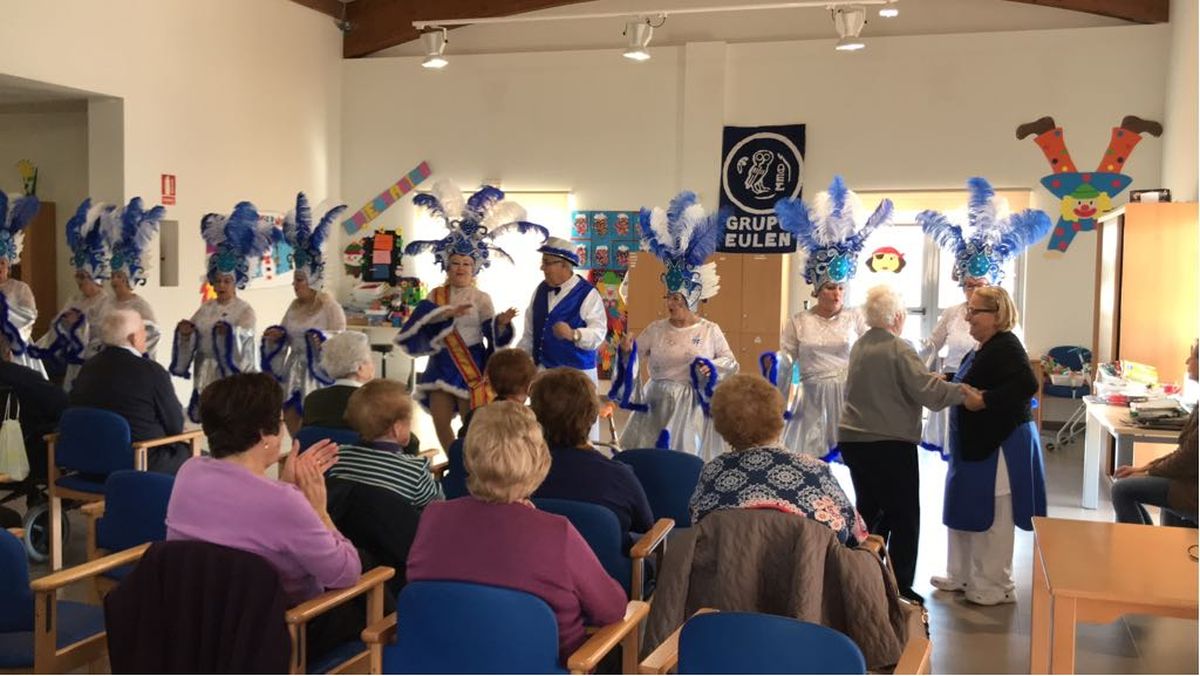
<point x="761" y="165"/>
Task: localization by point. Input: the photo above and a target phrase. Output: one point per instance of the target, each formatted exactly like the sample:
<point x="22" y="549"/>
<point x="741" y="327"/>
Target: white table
<point x="1113" y="420"/>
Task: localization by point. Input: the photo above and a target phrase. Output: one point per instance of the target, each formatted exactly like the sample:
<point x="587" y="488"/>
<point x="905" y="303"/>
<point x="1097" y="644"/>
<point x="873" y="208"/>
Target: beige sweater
<point x="886" y="387"/>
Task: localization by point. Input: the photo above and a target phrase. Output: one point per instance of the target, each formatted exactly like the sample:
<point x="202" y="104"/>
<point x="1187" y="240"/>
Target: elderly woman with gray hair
<point x="346" y="357"/>
<point x="886" y="387"/>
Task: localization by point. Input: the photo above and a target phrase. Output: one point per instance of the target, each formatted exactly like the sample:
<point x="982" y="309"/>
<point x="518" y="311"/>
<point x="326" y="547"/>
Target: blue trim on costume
<point x="225" y="361"/>
<point x="422" y="334"/>
<point x="314" y="369"/>
<point x="176" y="368"/>
<point x="704" y="394"/>
<point x="834" y="455"/>
<point x="296" y="401"/>
<point x="768" y="362"/>
<point x="193" y="408"/>
<point x="266" y="355"/>
<point x="10" y="330"/>
<point x="624" y="381"/>
<point x="664" y="439"/>
<point x="549" y="350"/>
<point x="73" y="347"/>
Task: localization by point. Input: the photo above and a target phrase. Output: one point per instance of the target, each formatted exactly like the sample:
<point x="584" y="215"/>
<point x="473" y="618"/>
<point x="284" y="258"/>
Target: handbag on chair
<point x="13" y="461"/>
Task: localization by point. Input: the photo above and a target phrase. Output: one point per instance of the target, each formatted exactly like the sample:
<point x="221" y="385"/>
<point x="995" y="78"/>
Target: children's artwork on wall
<point x="352" y="259"/>
<point x="392" y="194"/>
<point x="29" y="176"/>
<point x="272" y="270"/>
<point x="885" y="259"/>
<point x="608" y="283"/>
<point x="1085" y="195"/>
<point x="382" y="257"/>
<point x="604" y="239"/>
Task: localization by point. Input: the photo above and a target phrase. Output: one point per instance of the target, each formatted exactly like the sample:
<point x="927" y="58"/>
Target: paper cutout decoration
<point x="381" y="257"/>
<point x="608" y="283"/>
<point x="1085" y="195"/>
<point x="29" y="175"/>
<point x="886" y="259"/>
<point x="604" y="239"/>
<point x="386" y="198"/>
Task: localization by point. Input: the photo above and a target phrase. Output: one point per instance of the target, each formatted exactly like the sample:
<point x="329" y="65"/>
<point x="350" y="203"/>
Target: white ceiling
<point x="917" y="17"/>
<point x="19" y="94"/>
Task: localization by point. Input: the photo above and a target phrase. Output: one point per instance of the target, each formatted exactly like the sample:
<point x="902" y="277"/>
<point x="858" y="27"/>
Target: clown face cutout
<point x="600" y="225"/>
<point x="581" y="225"/>
<point x="600" y="256"/>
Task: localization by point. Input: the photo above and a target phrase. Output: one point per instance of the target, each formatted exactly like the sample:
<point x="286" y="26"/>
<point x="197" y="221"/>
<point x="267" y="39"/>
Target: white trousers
<point x="984" y="560"/>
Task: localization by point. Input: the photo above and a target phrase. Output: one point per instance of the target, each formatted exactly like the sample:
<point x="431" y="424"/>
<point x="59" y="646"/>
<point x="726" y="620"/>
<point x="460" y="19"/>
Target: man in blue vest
<point x="565" y="322"/>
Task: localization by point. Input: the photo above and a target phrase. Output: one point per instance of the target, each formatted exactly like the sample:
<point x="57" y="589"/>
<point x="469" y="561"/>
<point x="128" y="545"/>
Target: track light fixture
<point x="433" y="41"/>
<point x="849" y="22"/>
<point x="638" y="34"/>
<point x="890" y="10"/>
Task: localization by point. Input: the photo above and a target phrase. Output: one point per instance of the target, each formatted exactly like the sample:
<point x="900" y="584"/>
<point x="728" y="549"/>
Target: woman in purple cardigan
<point x="495" y="536"/>
<point x="229" y="500"/>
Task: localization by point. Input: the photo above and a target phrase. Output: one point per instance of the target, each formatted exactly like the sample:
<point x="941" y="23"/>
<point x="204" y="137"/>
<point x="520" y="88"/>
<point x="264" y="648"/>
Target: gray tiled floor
<point x="973" y="639"/>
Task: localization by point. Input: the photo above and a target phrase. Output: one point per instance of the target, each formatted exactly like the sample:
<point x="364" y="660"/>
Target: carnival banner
<point x="759" y="167"/>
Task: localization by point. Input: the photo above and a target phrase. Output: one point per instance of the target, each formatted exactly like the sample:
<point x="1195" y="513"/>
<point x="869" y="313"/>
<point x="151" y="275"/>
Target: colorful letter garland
<point x="386" y="198"/>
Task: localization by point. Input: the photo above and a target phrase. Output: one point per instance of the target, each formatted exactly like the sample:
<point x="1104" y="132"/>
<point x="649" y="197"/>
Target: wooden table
<point x="1104" y="419"/>
<point x="1095" y="572"/>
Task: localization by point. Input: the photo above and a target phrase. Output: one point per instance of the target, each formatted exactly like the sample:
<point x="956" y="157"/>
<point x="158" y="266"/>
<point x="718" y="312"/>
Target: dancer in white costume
<point x="457" y="325"/>
<point x="17" y="307"/>
<point x="128" y="233"/>
<point x="70" y="340"/>
<point x="218" y="340"/>
<point x="291" y="350"/>
<point x="818" y="340"/>
<point x="685" y="354"/>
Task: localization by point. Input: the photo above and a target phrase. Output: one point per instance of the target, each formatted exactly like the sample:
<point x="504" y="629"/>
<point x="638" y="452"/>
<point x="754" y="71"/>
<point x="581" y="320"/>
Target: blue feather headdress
<point x="306" y="241"/>
<point x="829" y="231"/>
<point x="85" y="237"/>
<point x="994" y="238"/>
<point x="15" y="213"/>
<point x="128" y="232"/>
<point x="473" y="224"/>
<point x="239" y="238"/>
<point x="683" y="237"/>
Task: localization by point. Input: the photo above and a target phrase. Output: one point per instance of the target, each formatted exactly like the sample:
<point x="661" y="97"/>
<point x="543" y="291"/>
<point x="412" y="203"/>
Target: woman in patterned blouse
<point x="759" y="473"/>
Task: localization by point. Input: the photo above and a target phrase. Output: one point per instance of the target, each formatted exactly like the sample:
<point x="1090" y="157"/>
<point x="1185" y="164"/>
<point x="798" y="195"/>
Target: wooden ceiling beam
<point x="1139" y="11"/>
<point x="331" y="8"/>
<point x="379" y="24"/>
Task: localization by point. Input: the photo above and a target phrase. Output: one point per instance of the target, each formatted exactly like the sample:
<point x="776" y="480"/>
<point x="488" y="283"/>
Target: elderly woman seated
<point x="346" y="357"/>
<point x="566" y="405"/>
<point x="496" y="537"/>
<point x="381" y="412"/>
<point x="229" y="500"/>
<point x="510" y="372"/>
<point x="759" y="473"/>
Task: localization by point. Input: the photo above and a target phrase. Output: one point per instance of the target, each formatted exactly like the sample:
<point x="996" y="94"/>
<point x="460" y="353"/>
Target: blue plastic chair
<point x="75" y="622"/>
<point x="454" y="481"/>
<point x="134" y="513"/>
<point x="494" y="631"/>
<point x="307" y="436"/>
<point x="1073" y="357"/>
<point x="602" y="531"/>
<point x="756" y="643"/>
<point x="669" y="479"/>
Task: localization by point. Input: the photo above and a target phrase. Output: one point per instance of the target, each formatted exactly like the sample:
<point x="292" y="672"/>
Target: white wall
<point x="56" y="140"/>
<point x="1180" y="142"/>
<point x="921" y="112"/>
<point x="240" y="100"/>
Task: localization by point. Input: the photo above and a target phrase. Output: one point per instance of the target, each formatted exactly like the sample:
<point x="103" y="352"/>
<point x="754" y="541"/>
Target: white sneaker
<point x="947" y="584"/>
<point x="991" y="598"/>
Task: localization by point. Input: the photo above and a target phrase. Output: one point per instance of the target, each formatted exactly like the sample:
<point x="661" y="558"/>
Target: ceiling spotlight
<point x="638" y="34"/>
<point x="890" y="10"/>
<point x="849" y="22"/>
<point x="434" y="43"/>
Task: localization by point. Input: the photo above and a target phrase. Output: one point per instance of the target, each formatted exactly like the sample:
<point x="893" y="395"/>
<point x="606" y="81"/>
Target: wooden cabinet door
<point x="761" y="293"/>
<point x="644" y="301"/>
<point x="37" y="267"/>
<point x="725" y="309"/>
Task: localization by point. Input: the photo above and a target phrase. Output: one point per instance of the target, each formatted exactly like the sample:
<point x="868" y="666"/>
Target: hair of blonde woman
<point x="505" y="454"/>
<point x="996" y="298"/>
<point x="118" y="325"/>
<point x="882" y="307"/>
<point x="373" y="408"/>
<point x="565" y="402"/>
<point x="747" y="411"/>
<point x="342" y="354"/>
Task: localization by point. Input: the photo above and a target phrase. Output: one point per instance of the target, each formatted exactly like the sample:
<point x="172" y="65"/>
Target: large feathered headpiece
<point x="15" y="214"/>
<point x="239" y="238"/>
<point x="995" y="236"/>
<point x="473" y="223"/>
<point x="128" y="232"/>
<point x="683" y="237"/>
<point x="831" y="231"/>
<point x="306" y="241"/>
<point x="86" y="239"/>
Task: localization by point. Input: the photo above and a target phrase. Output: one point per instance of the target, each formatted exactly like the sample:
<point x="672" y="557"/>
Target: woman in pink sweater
<point x="495" y="536"/>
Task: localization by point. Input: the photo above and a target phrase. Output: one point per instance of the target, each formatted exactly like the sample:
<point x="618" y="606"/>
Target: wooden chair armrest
<point x="429" y="453"/>
<point x="83" y="571"/>
<point x="173" y="439"/>
<point x="874" y="544"/>
<point x="438" y="469"/>
<point x="92" y="510"/>
<point x="599" y="644"/>
<point x="381" y="632"/>
<point x="652" y="539"/>
<point x="50" y="438"/>
<point x="916" y="656"/>
<point x="305" y="612"/>
<point x="666" y="655"/>
<point x="18" y="533"/>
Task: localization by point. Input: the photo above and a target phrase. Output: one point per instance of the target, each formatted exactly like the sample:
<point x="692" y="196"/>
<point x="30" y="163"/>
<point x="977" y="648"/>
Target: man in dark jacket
<point x="121" y="380"/>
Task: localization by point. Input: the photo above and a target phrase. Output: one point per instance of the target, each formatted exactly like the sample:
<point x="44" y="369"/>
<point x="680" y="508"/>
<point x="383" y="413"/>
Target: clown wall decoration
<point x="1085" y="195"/>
